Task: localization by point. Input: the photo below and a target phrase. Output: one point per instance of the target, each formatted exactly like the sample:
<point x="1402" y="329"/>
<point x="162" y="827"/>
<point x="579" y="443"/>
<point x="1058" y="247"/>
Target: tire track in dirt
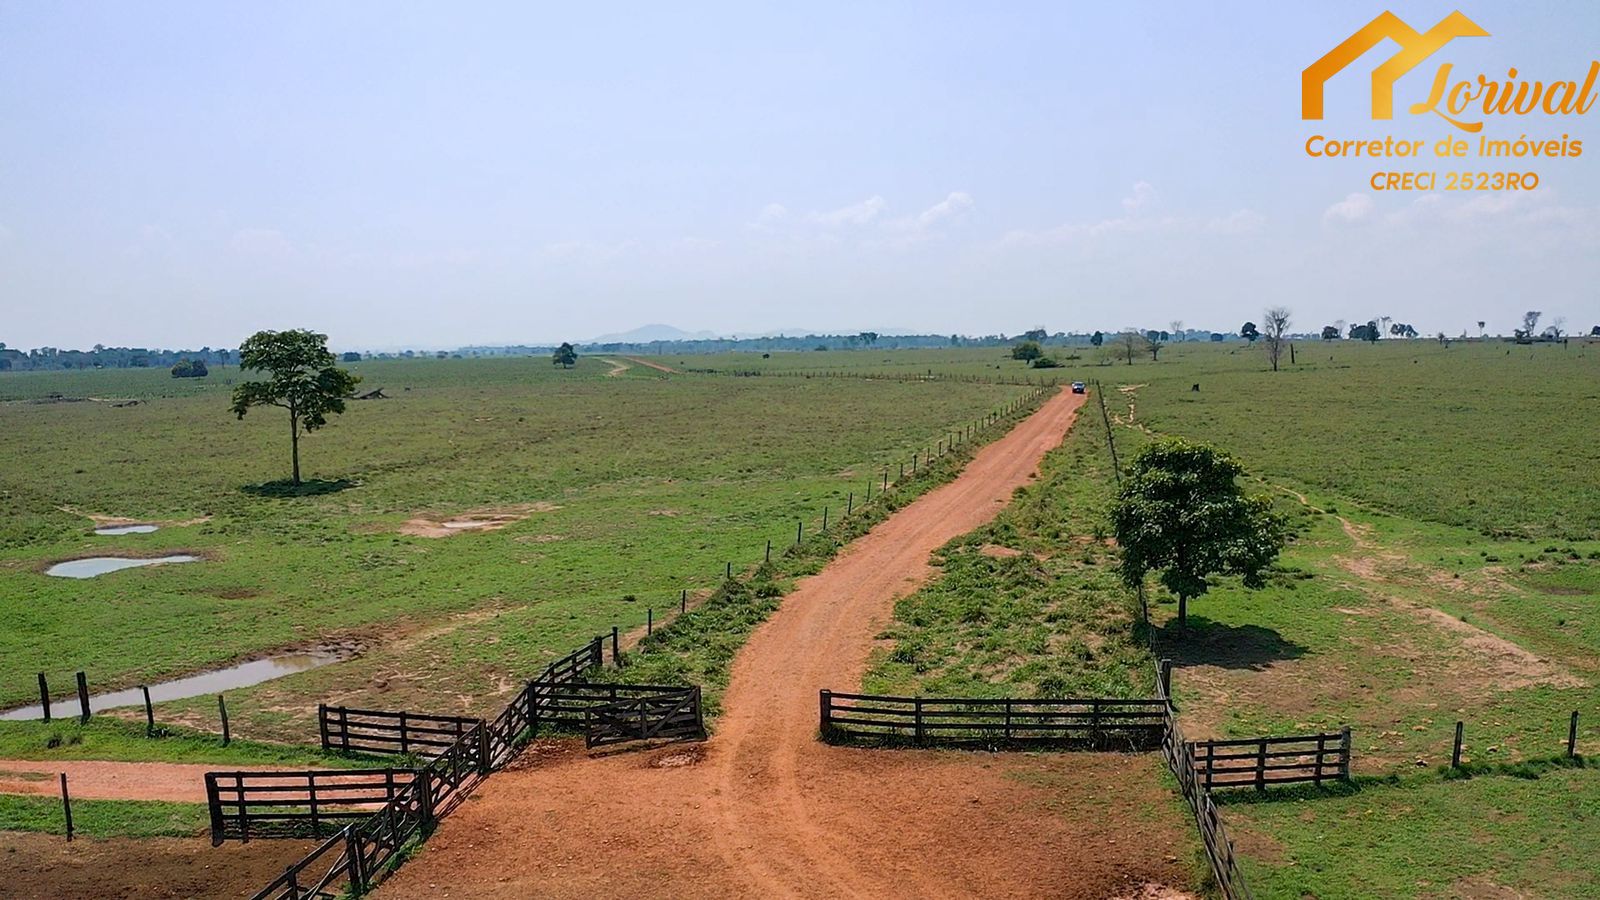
<point x="763" y="809"/>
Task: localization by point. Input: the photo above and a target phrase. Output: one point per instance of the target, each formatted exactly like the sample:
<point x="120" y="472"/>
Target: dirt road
<point x="89" y="779"/>
<point x="765" y="810"/>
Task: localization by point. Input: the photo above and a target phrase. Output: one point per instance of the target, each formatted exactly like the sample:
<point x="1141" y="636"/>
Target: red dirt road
<point x="763" y="809"/>
<point x="101" y="780"/>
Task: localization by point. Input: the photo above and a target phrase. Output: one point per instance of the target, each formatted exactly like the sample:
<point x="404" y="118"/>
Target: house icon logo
<point x="1414" y="48"/>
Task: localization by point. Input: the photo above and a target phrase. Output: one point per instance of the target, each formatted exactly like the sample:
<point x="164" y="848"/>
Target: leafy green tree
<point x="1330" y="333"/>
<point x="1181" y="513"/>
<point x="1249" y="332"/>
<point x="302" y="379"/>
<point x="1027" y="350"/>
<point x="190" y="368"/>
<point x="565" y="356"/>
<point x="1098" y="338"/>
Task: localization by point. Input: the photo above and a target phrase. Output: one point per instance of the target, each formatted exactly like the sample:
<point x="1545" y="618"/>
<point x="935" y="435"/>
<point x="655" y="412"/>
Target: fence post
<point x="150" y="713"/>
<point x="352" y="855"/>
<point x="683" y="599"/>
<point x="825" y="697"/>
<point x="483" y="749"/>
<point x="1344" y="761"/>
<point x="405" y="744"/>
<point x="311" y="794"/>
<point x="344" y="730"/>
<point x="1322" y="741"/>
<point x="769" y="549"/>
<point x="1165" y="675"/>
<point x="649" y="622"/>
<point x="616" y="653"/>
<point x="824" y="518"/>
<point x="1261" y="765"/>
<point x="1572" y="736"/>
<point x="66" y="805"/>
<point x="885" y="480"/>
<point x="44" y="696"/>
<point x="83" y="696"/>
<point x="214" y="806"/>
<point x="850" y="503"/>
<point x="222" y="708"/>
<point x="918" y="707"/>
<point x="1455" y="752"/>
<point x="322" y="723"/>
<point x="799" y="531"/>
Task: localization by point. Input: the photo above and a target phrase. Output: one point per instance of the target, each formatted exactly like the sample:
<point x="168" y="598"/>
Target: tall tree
<point x="1098" y="338"/>
<point x="1182" y="513"/>
<point x="302" y="379"/>
<point x="565" y="356"/>
<point x="1275" y="324"/>
<point x="1530" y="321"/>
<point x="1129" y="344"/>
<point x="1249" y="332"/>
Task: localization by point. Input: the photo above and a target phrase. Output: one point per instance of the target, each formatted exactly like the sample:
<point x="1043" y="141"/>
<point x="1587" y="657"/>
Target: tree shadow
<point x="1204" y="642"/>
<point x="284" y="489"/>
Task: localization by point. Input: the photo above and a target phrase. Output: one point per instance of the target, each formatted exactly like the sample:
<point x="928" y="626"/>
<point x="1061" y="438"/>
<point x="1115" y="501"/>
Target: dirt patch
<point x="617" y="368"/>
<point x="474" y="521"/>
<point x="998" y="552"/>
<point x="652" y="365"/>
<point x="104" y="780"/>
<point x="45" y="867"/>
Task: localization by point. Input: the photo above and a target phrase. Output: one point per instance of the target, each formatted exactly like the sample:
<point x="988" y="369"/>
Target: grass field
<point x="1446" y="566"/>
<point x="623" y="491"/>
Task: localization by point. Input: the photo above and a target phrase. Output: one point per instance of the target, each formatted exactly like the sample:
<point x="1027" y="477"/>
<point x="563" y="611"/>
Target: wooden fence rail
<point x="382" y="731"/>
<point x="1092" y="722"/>
<point x="565" y="705"/>
<point x="1258" y="762"/>
<point x="666" y="716"/>
<point x="278" y="804"/>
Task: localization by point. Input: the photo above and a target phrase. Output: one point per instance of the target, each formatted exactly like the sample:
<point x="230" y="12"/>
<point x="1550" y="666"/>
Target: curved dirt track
<point x="765" y="810"/>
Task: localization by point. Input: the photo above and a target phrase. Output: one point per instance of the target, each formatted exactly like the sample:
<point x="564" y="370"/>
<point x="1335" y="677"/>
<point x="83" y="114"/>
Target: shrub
<point x="190" y="368"/>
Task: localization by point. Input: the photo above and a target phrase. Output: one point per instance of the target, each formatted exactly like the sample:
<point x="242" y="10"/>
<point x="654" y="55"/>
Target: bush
<point x="190" y="368"/>
<point x="1045" y="362"/>
<point x="1027" y="350"/>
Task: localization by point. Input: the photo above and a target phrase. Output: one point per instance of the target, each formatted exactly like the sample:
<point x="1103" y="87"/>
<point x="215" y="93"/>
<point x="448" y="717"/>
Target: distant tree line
<point x="103" y="357"/>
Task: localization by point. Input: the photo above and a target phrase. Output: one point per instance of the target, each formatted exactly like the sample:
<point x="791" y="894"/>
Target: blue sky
<point x="432" y="175"/>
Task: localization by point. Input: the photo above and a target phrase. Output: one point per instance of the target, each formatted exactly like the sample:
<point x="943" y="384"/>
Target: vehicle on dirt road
<point x="1077" y="387"/>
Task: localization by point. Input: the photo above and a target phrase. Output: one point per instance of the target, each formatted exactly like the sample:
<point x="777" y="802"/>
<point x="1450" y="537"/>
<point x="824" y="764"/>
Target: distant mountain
<point x="647" y="333"/>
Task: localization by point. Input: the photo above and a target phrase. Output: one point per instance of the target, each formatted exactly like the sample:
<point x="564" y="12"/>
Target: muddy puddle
<point x="100" y="565"/>
<point x="214" y="682"/>
<point x="126" y="529"/>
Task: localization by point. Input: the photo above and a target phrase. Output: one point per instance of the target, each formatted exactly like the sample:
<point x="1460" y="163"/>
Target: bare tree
<point x="1385" y="320"/>
<point x="1274" y="325"/>
<point x="1481" y="323"/>
<point x="1130" y="343"/>
<point x="1176" y="328"/>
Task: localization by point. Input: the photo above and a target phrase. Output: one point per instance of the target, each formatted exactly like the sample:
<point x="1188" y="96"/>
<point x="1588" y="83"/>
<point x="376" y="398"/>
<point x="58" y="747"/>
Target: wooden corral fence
<point x="576" y="664"/>
<point x="374" y="830"/>
<point x="1100" y="723"/>
<point x="567" y="705"/>
<point x="287" y="804"/>
<point x="665" y="716"/>
<point x="1213" y="835"/>
<point x="1258" y="762"/>
<point x="380" y="731"/>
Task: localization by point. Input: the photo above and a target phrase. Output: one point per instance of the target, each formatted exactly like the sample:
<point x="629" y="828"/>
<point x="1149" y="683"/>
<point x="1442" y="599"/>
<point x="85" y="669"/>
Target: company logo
<point x="1450" y="101"/>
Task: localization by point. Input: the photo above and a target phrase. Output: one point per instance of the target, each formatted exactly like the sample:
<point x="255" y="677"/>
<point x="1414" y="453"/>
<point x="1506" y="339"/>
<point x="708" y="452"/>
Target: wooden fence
<point x="1213" y="835"/>
<point x="664" y="716"/>
<point x="381" y="731"/>
<point x="1100" y="723"/>
<point x="1258" y="762"/>
<point x="566" y="705"/>
<point x="373" y="831"/>
<point x="279" y="804"/>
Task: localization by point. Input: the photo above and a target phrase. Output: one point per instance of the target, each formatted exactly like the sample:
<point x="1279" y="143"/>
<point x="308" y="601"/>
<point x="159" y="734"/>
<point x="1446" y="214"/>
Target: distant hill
<point x="647" y="333"/>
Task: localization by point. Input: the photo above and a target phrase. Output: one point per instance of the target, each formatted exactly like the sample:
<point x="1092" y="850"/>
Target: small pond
<point x="100" y="565"/>
<point x="214" y="682"/>
<point x="126" y="529"/>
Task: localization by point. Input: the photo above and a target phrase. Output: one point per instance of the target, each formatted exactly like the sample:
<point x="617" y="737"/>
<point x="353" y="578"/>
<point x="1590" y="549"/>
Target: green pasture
<point x="631" y="488"/>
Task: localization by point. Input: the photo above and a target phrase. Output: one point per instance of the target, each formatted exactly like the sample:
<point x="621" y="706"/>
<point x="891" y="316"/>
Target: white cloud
<point x="1354" y="208"/>
<point x="855" y="214"/>
<point x="1144" y="196"/>
<point x="952" y="206"/>
<point x="1242" y="221"/>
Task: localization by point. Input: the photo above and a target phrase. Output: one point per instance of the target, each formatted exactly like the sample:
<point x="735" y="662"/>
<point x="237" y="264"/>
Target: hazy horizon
<point x="424" y="176"/>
